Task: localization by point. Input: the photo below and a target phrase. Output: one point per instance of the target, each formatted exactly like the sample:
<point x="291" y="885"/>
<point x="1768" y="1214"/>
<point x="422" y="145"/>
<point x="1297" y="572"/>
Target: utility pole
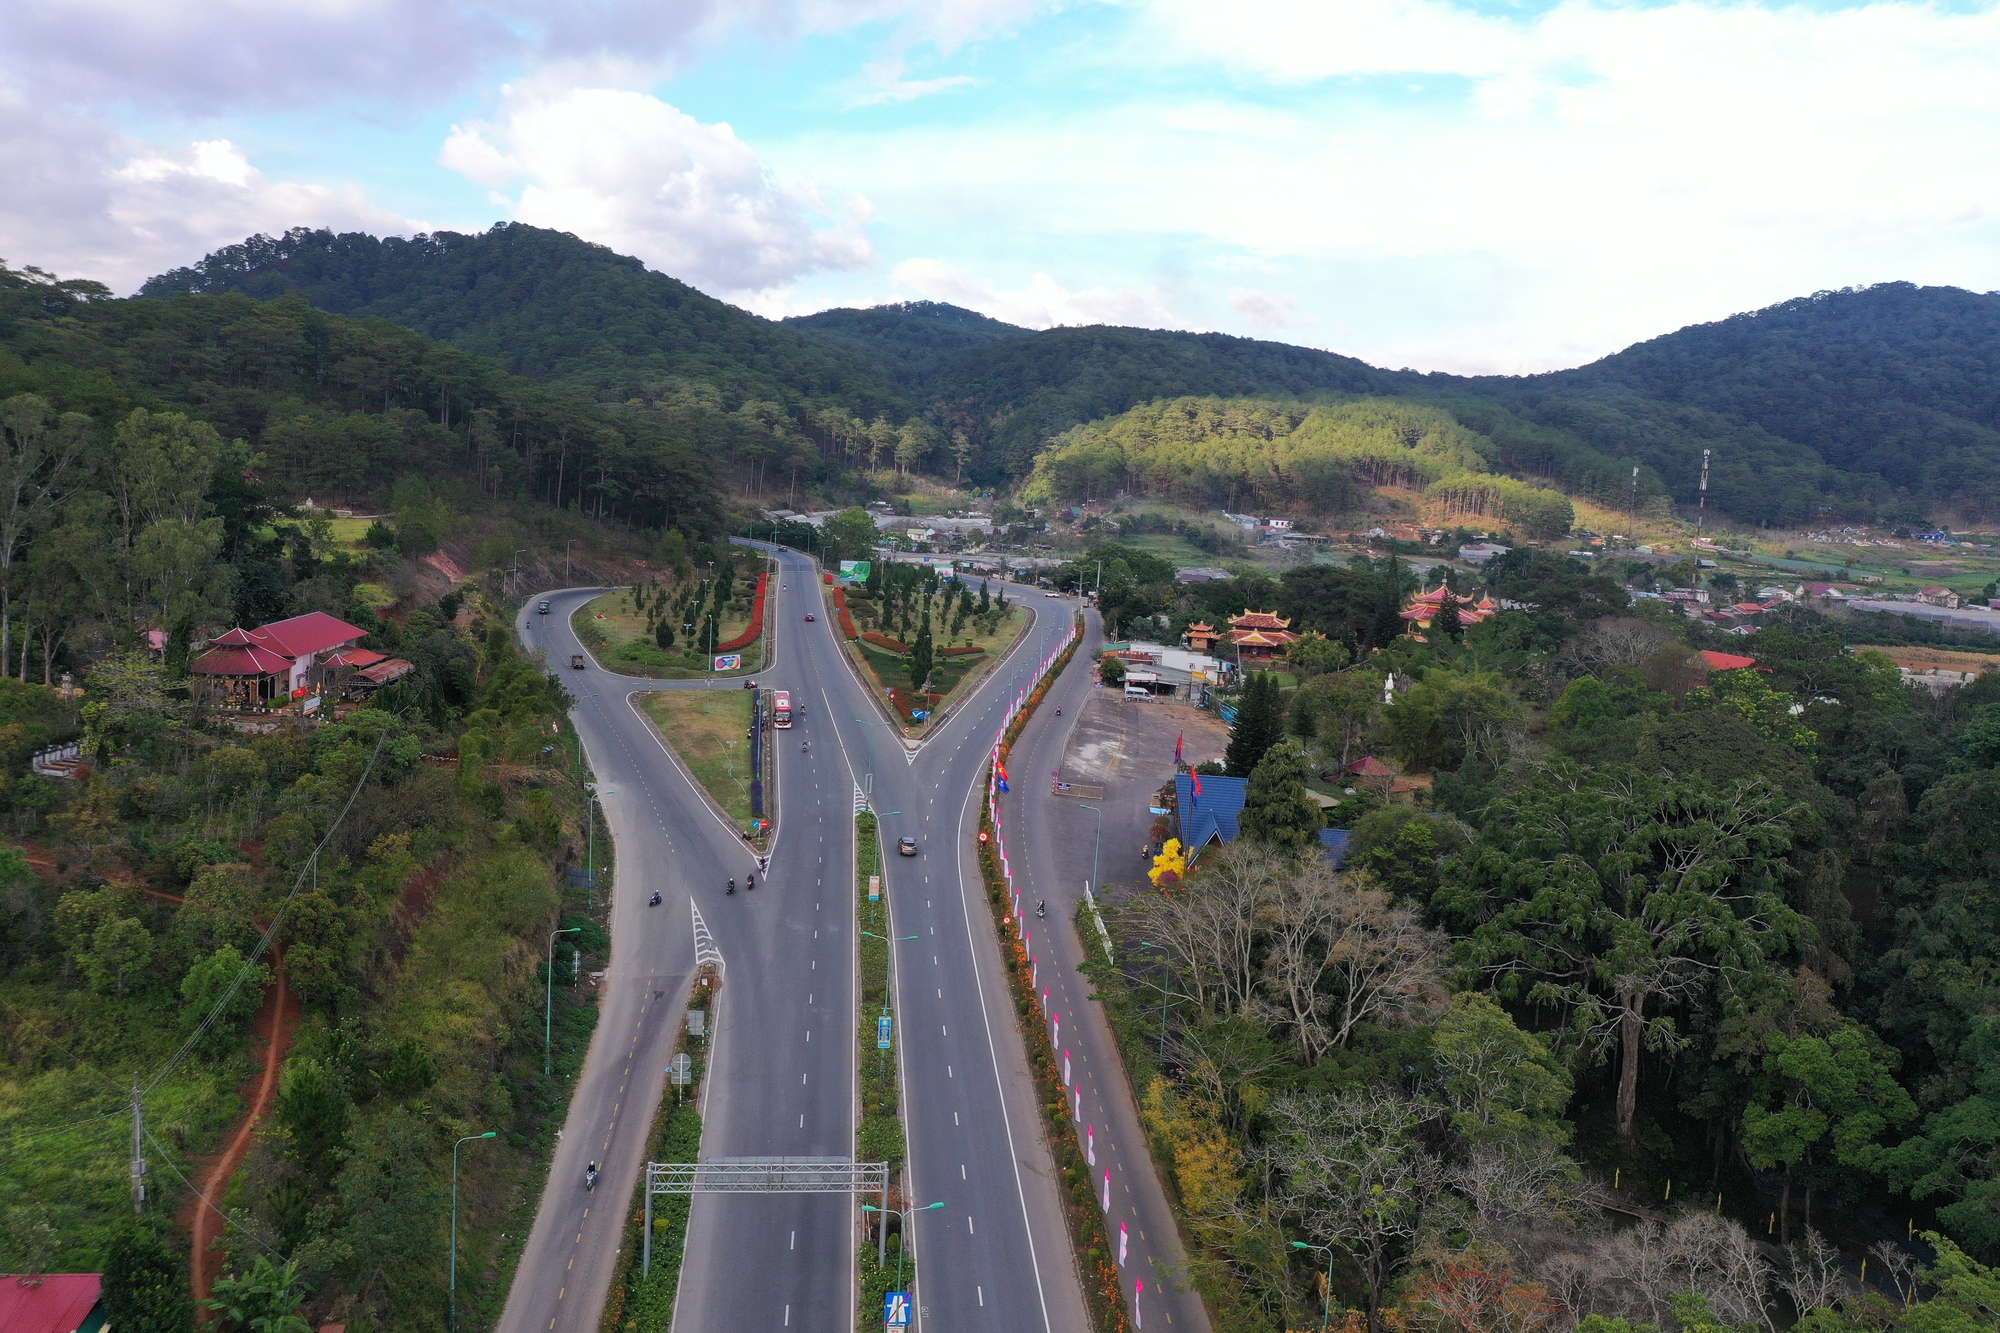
<point x="1701" y="510"/>
<point x="1634" y="514"/>
<point x="138" y="1161"/>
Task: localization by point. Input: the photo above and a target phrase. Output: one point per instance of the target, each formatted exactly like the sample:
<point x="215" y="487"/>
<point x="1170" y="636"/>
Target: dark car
<point x="906" y="846"/>
<point x="543" y="608"/>
<point x="576" y="661"/>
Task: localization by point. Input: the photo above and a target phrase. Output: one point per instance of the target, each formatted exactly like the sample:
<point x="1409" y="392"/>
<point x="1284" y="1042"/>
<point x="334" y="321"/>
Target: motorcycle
<point x="749" y="883"/>
<point x="804" y="746"/>
<point x="732" y="886"/>
<point x="1058" y="710"/>
<point x="1041" y="909"/>
<point x="654" y="901"/>
<point x="590" y="1176"/>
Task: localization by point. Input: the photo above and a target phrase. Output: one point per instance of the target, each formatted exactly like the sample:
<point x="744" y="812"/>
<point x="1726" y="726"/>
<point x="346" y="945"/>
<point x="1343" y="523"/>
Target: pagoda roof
<point x="250" y="661"/>
<point x="1259" y="620"/>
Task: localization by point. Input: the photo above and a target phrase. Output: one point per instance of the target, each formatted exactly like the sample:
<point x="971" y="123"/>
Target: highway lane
<point x="1051" y="842"/>
<point x="995" y="1257"/>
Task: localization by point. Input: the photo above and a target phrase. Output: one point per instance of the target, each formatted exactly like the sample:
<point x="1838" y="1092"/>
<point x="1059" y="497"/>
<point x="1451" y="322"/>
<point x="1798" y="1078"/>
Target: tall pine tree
<point x="1276" y="810"/>
<point x="1260" y="724"/>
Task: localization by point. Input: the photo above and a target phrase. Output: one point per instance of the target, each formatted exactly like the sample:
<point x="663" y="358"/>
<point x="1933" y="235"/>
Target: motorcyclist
<point x="732" y="886"/>
<point x="1058" y="710"/>
<point x="749" y="883"/>
<point x="590" y="1177"/>
<point x="654" y="901"/>
<point x="804" y="746"/>
<point x="1042" y="908"/>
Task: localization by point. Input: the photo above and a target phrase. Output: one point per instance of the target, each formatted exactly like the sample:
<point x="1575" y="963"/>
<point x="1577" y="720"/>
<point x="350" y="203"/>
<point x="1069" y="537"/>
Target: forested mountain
<point x="549" y="306"/>
<point x="341" y="408"/>
<point x="1878" y="402"/>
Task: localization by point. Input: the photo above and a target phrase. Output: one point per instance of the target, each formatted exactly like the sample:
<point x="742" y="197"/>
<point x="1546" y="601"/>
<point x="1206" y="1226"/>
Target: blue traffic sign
<point x="882" y="1025"/>
<point x="896" y="1309"/>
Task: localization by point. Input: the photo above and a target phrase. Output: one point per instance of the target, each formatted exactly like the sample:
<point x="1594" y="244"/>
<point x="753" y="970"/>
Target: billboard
<point x="729" y="662"/>
<point x="855" y="571"/>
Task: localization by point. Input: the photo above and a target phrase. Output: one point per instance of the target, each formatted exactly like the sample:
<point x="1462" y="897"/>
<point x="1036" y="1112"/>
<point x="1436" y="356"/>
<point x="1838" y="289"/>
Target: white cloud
<point x="205" y="57"/>
<point x="1044" y="303"/>
<point x="628" y="170"/>
<point x="87" y="203"/>
<point x="1265" y="311"/>
<point x="1570" y="182"/>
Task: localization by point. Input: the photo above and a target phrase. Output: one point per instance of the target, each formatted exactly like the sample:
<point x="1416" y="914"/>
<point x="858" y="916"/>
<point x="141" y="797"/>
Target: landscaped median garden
<point x="879" y="1134"/>
<point x="907" y="627"/>
<point x="673" y="629"/>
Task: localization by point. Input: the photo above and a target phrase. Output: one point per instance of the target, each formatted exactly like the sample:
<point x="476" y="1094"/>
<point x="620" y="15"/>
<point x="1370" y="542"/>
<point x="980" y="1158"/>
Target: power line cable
<point x="264" y="941"/>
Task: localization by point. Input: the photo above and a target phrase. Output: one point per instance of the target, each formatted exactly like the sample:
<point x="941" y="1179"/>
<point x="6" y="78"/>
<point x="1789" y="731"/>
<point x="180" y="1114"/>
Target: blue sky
<point x="1469" y="187"/>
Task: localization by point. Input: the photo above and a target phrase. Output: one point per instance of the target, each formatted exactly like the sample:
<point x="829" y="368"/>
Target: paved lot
<point x="1126" y="748"/>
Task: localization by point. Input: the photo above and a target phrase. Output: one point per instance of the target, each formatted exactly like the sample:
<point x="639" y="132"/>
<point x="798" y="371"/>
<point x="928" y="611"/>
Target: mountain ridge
<point x="1872" y="402"/>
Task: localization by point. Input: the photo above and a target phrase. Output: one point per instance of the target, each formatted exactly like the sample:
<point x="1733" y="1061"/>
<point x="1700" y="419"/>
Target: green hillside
<point x="1253" y="454"/>
<point x="1873" y="403"/>
<point x="551" y="307"/>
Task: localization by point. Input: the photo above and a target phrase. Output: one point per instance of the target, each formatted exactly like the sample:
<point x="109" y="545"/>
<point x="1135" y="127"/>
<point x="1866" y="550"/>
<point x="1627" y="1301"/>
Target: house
<point x="1944" y="597"/>
<point x="288" y="659"/>
<point x="52" y="1303"/>
<point x="1726" y="661"/>
<point x="1211" y="816"/>
<point x="1335" y="841"/>
<point x="1260" y="636"/>
<point x="1202" y="574"/>
<point x="1478" y="553"/>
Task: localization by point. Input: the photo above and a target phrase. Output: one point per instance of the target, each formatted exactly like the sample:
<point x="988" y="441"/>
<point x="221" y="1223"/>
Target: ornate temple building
<point x="1423" y="608"/>
<point x="1259" y="636"/>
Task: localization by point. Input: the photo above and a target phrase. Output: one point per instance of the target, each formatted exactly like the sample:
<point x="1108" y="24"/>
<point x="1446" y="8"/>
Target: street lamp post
<point x="518" y="553"/>
<point x="1100" y="844"/>
<point x="877" y="722"/>
<point x="1326" y="1317"/>
<point x="566" y="548"/>
<point x="1165" y="991"/>
<point x="590" y="842"/>
<point x="454" y="1222"/>
<point x="889" y="967"/>
<point x="549" y="1000"/>
<point x="904" y="1247"/>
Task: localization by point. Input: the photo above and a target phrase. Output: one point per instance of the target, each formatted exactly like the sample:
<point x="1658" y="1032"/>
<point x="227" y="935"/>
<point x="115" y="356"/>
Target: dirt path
<point x="276" y="1023"/>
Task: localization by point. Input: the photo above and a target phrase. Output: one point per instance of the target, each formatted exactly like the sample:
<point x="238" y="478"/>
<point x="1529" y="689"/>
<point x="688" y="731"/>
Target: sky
<point x="1483" y="187"/>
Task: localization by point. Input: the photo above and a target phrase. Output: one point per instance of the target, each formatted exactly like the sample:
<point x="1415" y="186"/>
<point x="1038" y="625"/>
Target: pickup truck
<point x="576" y="661"/>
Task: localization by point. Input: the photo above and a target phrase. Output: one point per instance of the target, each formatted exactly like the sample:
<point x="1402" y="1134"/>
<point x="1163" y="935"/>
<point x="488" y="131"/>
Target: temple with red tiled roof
<point x="1423" y="608"/>
<point x="284" y="659"/>
<point x="1259" y="636"/>
<point x="1201" y="636"/>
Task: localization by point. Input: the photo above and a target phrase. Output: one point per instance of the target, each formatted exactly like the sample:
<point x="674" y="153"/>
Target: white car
<point x="1051" y="594"/>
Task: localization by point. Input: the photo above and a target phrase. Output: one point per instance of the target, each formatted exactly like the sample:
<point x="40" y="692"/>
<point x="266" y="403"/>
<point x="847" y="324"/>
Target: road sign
<point x="874" y="888"/>
<point x="680" y="1070"/>
<point x="895" y="1309"/>
<point x="882" y="1028"/>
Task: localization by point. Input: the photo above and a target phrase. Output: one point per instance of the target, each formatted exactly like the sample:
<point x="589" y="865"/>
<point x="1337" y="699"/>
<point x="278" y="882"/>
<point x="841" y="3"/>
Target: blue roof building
<point x="1212" y="816"/>
<point x="1335" y="842"/>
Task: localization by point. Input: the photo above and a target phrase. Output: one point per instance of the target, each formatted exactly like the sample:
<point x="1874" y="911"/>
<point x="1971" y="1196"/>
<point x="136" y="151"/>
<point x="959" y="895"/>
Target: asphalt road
<point x="1052" y="843"/>
<point x="782" y="1078"/>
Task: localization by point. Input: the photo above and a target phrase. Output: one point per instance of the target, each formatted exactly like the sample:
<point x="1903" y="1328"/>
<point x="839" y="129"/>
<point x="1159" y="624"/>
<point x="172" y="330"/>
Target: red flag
<point x="1197" y="789"/>
<point x="1177" y="746"/>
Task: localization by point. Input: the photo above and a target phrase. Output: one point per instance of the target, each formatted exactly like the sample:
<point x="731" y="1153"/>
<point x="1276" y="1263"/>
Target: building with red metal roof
<point x="51" y="1303"/>
<point x="282" y="659"/>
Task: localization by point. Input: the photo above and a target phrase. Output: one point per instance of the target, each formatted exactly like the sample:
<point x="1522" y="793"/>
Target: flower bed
<point x="756" y="630"/>
<point x="906" y="702"/>
<point x="884" y="641"/>
<point x="960" y="652"/>
<point x="846" y="620"/>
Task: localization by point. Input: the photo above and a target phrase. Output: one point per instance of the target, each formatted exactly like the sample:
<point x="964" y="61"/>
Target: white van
<point x="1137" y="692"/>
